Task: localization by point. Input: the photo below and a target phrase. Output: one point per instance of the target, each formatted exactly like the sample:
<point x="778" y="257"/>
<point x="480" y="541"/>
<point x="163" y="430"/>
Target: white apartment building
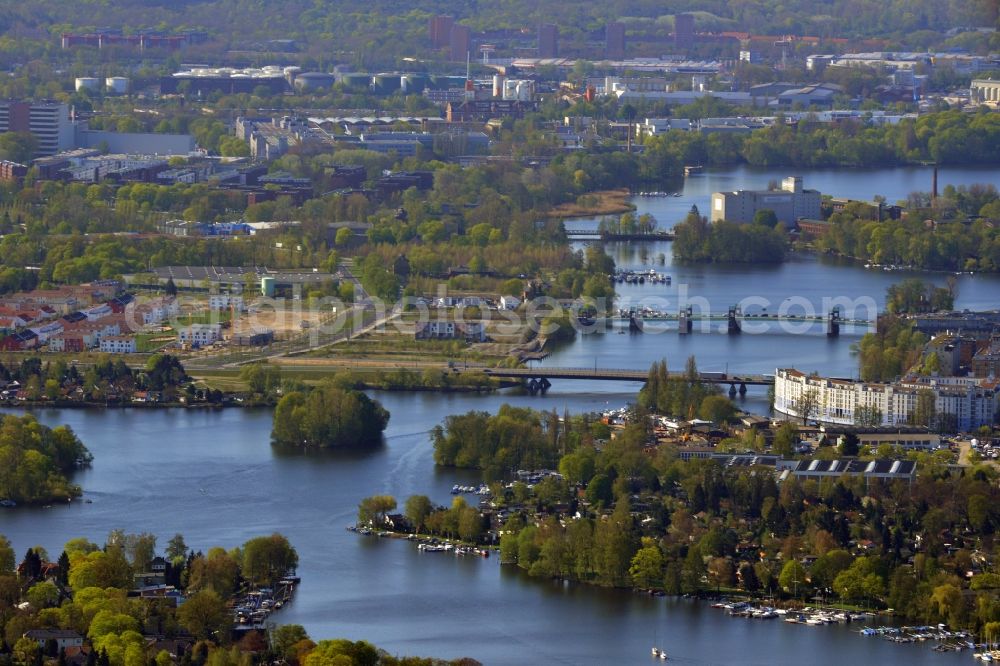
<point x="155" y="311"/>
<point x="201" y="334"/>
<point x="225" y="302"/>
<point x="118" y="344"/>
<point x="971" y="402"/>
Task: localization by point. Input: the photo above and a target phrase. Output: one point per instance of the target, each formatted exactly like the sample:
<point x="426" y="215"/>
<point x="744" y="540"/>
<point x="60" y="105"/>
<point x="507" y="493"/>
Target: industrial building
<point x="985" y="91"/>
<point x="225" y="278"/>
<point x="47" y="121"/>
<point x="789" y="203"/>
<point x="225" y="80"/>
<point x="143" y="40"/>
<point x="142" y="143"/>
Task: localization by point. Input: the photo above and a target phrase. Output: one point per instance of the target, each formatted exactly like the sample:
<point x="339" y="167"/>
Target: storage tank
<point x="413" y="84"/>
<point x="313" y="80"/>
<point x="438" y="82"/>
<point x="267" y="287"/>
<point x="510" y="89"/>
<point x="386" y="84"/>
<point x="498" y="86"/>
<point x="356" y="80"/>
<point x="87" y="83"/>
<point x="116" y="85"/>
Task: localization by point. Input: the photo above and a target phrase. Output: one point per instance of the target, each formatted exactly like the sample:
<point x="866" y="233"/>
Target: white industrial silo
<point x="87" y="83"/>
<point x="116" y="85"/>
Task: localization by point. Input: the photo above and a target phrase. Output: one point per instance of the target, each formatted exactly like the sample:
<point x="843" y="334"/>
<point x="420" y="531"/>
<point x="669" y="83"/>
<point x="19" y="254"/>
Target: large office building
<point x="440" y="30"/>
<point x="460" y="41"/>
<point x="48" y="122"/>
<point x="683" y="31"/>
<point x="789" y="204"/>
<point x="548" y="41"/>
<point x="614" y="41"/>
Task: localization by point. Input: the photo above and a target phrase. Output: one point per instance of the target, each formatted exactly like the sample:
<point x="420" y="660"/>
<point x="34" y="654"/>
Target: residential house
<point x="66" y="343"/>
<point x="26" y="339"/>
<point x="97" y="311"/>
<point x="510" y="302"/>
<point x="64" y="638"/>
<point x="225" y="302"/>
<point x="46" y="331"/>
<point x="118" y="344"/>
<point x="201" y="334"/>
<point x="448" y="330"/>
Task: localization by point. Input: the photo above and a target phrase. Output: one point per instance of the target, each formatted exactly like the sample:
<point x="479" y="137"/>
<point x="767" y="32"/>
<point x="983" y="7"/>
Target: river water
<point x="213" y="476"/>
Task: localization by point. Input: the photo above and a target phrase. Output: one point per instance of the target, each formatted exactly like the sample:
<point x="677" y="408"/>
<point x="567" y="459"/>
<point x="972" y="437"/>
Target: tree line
<point x="38" y="461"/>
<point x="88" y="590"/>
<point x="328" y="417"/>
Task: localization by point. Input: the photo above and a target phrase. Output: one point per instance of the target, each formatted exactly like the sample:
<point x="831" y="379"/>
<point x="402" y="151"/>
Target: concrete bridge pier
<point x="684" y="323"/>
<point x="733" y="321"/>
<point x="833" y="324"/>
<point x="539" y="385"/>
<point x="732" y="391"/>
<point x="743" y="388"/>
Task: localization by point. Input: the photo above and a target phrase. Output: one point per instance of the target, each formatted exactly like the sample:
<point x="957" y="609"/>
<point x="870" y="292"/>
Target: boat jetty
<point x="251" y="610"/>
<point x="426" y="544"/>
<point x="482" y="490"/>
<point x="639" y="277"/>
<point x="947" y="641"/>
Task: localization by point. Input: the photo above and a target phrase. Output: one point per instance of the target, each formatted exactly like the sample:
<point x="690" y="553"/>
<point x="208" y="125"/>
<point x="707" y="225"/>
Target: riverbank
<point x="604" y="202"/>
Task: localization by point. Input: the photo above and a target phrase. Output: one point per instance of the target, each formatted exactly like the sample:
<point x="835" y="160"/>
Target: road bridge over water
<point x="539" y="379"/>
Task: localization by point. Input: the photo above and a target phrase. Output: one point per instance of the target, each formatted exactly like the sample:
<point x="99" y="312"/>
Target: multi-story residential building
<point x="449" y="330"/>
<point x="47" y="330"/>
<point x="200" y="334"/>
<point x="66" y="343"/>
<point x="789" y="203"/>
<point x="118" y="344"/>
<point x="225" y="302"/>
<point x="155" y="311"/>
<point x="961" y="403"/>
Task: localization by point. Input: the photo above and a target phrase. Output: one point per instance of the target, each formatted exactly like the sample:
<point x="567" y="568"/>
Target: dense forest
<point x="955" y="232"/>
<point x="727" y="242"/>
<point x="328" y="417"/>
<point x="37" y="461"/>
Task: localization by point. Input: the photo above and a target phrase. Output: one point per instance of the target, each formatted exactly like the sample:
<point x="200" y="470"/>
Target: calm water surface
<point x="213" y="476"/>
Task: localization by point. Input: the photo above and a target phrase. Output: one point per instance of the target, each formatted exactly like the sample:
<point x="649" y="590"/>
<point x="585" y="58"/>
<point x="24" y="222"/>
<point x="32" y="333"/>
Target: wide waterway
<point x="213" y="476"/>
